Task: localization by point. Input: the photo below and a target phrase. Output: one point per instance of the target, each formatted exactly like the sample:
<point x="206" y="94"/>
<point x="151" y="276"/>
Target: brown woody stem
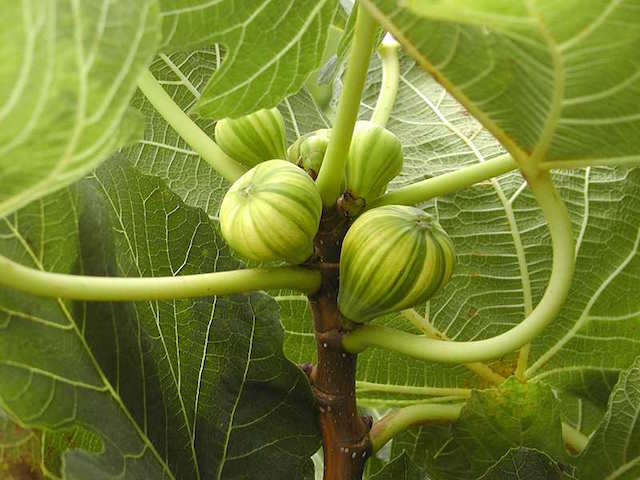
<point x="345" y="434"/>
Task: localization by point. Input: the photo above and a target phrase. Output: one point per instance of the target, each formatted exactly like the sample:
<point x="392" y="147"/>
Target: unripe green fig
<point x="254" y="138"/>
<point x="308" y="151"/>
<point x="272" y="212"/>
<point x="375" y="158"/>
<point x="393" y="257"/>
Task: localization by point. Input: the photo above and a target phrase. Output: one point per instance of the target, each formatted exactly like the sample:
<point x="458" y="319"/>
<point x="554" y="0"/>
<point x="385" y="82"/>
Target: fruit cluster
<point x="392" y="258"/>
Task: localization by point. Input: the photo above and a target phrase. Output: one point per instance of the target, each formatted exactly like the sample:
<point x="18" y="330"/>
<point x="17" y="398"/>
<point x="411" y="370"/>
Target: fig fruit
<point x="375" y="158"/>
<point x="253" y="138"/>
<point x="393" y="257"/>
<point x="272" y="212"/>
<point x="308" y="151"/>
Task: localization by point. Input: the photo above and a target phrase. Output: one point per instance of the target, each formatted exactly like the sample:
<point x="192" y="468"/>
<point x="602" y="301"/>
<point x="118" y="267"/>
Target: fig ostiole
<point x="375" y="158"/>
<point x="253" y="138"/>
<point x="393" y="258"/>
<point x="272" y="212"/>
<point x="308" y="151"/>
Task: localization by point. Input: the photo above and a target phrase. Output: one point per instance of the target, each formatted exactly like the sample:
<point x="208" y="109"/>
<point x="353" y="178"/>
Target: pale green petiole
<point x="331" y="173"/>
<point x="447" y="183"/>
<point x="388" y="52"/>
<point x="188" y="130"/>
<point x="79" y="287"/>
<point x="421" y="347"/>
<point x="399" y="420"/>
<point x="574" y="438"/>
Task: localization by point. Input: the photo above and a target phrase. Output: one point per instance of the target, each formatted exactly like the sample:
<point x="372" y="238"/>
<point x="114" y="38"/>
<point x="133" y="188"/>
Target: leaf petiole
<point x="80" y="287"/>
<point x="388" y="52"/>
<point x="187" y="128"/>
<point x="421" y="347"/>
<point x="331" y="173"/>
<point x="447" y="183"/>
<point x="430" y="413"/>
<point x="399" y="420"/>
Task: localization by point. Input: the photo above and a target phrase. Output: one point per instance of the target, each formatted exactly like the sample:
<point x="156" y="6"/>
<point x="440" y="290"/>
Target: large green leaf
<point x="493" y="422"/>
<point x="514" y="414"/>
<point x="433" y="448"/>
<point x="31" y="454"/>
<point x="19" y="451"/>
<point x="613" y="451"/>
<point x="400" y="468"/>
<point x="555" y="82"/>
<point x="526" y="464"/>
<point x="178" y="389"/>
<point x="68" y="72"/>
<point x="270" y="48"/>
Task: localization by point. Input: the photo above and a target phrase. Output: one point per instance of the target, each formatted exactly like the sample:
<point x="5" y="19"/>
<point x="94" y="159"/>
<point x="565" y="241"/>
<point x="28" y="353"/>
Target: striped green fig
<point x="272" y="212"/>
<point x="375" y="158"/>
<point x="253" y="138"/>
<point x="393" y="257"/>
<point x="308" y="151"/>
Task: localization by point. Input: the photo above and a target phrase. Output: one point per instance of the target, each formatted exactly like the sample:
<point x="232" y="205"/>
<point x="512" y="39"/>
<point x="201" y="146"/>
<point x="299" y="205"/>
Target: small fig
<point x="272" y="212"/>
<point x="308" y="151"/>
<point x="375" y="158"/>
<point x="393" y="257"/>
<point x="254" y="138"/>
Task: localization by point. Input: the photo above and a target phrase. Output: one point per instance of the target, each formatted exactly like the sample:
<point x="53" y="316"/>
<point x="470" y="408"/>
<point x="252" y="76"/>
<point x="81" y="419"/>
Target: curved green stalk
<point x="388" y="52"/>
<point x="399" y="420"/>
<point x="80" y="287"/>
<point x="187" y="128"/>
<point x="420" y="347"/>
<point x="574" y="438"/>
<point x="447" y="183"/>
<point x="482" y="370"/>
<point x="362" y="386"/>
<point x="331" y="173"/>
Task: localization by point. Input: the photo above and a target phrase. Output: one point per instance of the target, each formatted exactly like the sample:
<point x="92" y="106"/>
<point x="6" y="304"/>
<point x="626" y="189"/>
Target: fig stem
<point x="188" y="130"/>
<point x="364" y="386"/>
<point x="421" y="347"/>
<point x="331" y="174"/>
<point x="573" y="438"/>
<point x="447" y="183"/>
<point x="399" y="420"/>
<point x="388" y="53"/>
<point x="80" y="287"/>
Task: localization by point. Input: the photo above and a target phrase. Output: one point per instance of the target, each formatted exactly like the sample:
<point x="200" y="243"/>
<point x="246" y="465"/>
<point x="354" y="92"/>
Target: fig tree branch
<point x="331" y="173"/>
<point x="418" y="346"/>
<point x="187" y="128"/>
<point x="80" y="287"/>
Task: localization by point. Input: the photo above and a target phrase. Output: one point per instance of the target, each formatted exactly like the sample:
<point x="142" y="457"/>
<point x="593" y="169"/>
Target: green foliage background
<point x="208" y="388"/>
